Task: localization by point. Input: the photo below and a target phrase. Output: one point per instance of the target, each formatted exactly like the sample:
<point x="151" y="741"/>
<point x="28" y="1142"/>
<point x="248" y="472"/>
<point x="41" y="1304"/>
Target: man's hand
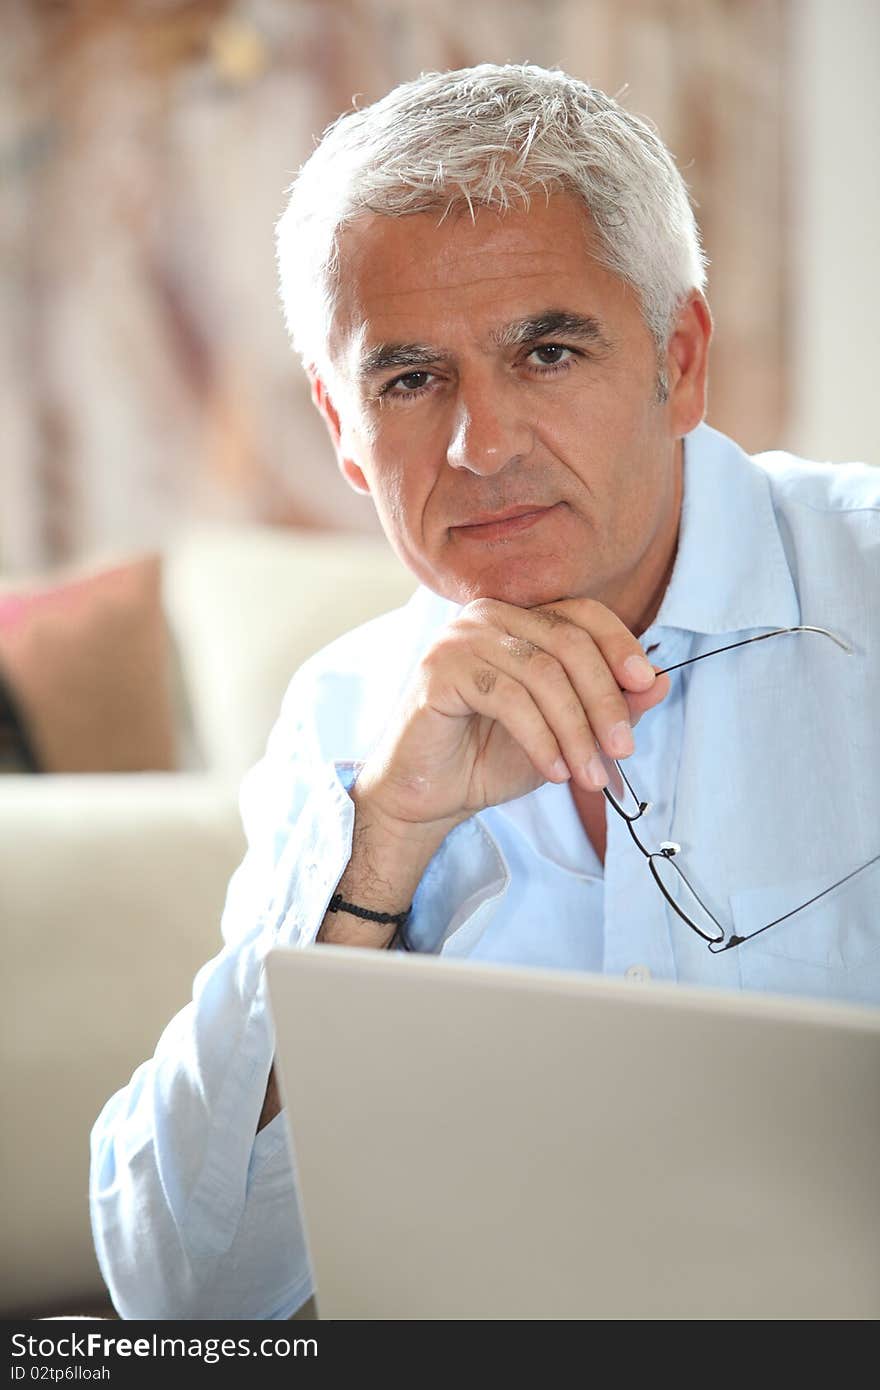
<point x="507" y="699"/>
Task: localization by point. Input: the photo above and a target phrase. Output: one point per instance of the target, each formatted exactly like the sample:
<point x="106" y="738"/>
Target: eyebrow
<point x="386" y="356"/>
<point x="550" y="323"/>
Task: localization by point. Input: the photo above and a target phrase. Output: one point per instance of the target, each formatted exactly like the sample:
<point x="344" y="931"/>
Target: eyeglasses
<point x="673" y="883"/>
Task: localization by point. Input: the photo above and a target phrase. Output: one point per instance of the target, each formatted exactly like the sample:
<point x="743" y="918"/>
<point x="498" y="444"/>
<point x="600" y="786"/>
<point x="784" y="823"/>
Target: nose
<point x="487" y="433"/>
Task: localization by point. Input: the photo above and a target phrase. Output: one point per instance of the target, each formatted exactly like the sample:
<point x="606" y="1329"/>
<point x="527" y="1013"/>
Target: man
<point x="495" y="281"/>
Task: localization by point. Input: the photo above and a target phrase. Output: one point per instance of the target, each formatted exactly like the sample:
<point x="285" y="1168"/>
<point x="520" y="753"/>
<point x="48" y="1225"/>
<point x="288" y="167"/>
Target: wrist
<point x="388" y="858"/>
<point x="396" y="921"/>
<point x="376" y="816"/>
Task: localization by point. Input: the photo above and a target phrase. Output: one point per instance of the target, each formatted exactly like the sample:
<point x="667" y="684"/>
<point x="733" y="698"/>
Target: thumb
<point x="641" y="701"/>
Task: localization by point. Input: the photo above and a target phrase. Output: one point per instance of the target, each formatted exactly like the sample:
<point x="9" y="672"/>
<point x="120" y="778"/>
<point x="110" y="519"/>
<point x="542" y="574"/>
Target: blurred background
<point x="145" y="146"/>
<point x="174" y="536"/>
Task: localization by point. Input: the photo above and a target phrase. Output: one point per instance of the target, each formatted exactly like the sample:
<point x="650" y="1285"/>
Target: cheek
<point x="396" y="504"/>
<point x="403" y="473"/>
<point x="597" y="417"/>
<point x="393" y="491"/>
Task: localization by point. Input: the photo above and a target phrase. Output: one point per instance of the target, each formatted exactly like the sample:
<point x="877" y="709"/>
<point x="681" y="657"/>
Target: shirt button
<point x="637" y="973"/>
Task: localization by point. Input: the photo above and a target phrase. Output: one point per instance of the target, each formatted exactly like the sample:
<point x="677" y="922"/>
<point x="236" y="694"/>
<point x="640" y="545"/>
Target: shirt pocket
<point x="829" y="949"/>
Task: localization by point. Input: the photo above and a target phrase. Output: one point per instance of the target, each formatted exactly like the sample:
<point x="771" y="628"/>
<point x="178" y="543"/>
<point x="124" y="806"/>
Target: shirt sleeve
<point x="192" y="1216"/>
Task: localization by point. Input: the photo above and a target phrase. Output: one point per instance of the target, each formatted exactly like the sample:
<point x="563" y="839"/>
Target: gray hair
<point x="490" y="136"/>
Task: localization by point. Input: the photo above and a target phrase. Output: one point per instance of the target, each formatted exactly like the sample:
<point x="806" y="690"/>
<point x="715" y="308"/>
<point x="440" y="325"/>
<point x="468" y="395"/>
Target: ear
<point x="687" y="363"/>
<point x="327" y="410"/>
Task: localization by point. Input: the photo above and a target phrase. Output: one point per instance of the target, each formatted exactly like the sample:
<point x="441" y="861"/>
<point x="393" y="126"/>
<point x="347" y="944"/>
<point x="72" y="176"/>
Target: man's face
<point x="497" y="394"/>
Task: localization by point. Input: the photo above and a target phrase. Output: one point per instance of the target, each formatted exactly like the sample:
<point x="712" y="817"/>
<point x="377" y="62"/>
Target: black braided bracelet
<point x="338" y="904"/>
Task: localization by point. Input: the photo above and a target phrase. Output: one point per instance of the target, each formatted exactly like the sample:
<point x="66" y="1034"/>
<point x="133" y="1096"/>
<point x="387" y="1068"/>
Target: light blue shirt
<point x="761" y="764"/>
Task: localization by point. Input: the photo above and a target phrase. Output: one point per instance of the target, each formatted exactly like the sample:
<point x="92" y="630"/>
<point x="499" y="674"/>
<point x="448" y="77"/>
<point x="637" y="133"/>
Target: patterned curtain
<point x="145" y="146"/>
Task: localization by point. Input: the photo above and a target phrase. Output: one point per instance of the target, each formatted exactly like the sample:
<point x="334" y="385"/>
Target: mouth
<point x="498" y="526"/>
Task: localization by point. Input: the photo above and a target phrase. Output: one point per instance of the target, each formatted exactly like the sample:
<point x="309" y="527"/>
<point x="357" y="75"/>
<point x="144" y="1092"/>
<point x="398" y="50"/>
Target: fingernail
<point x="595" y="770"/>
<point x="560" y="769"/>
<point x="639" y="668"/>
<point x="621" y="740"/>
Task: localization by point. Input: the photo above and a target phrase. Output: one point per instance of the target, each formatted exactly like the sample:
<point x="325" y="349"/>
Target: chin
<point x="522" y="589"/>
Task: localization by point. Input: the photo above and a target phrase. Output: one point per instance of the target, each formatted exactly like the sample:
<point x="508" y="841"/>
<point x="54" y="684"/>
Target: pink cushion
<point x="87" y="663"/>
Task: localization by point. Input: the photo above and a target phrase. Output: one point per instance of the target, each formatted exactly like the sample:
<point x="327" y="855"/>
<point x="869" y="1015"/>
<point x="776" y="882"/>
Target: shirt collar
<point x="731" y="571"/>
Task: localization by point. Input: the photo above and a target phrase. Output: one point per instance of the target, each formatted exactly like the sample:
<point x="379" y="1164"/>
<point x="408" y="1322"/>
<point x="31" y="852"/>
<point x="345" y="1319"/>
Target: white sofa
<point x="111" y="887"/>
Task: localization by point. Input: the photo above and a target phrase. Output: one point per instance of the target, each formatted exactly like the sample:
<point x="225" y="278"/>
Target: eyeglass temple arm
<point x="762" y="637"/>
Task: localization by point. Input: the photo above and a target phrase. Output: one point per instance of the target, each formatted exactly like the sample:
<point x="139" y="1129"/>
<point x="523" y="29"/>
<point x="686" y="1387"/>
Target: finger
<point x="587" y="657"/>
<point x="622" y="651"/>
<point x="639" y="704"/>
<point x="493" y="694"/>
<point x="551" y="689"/>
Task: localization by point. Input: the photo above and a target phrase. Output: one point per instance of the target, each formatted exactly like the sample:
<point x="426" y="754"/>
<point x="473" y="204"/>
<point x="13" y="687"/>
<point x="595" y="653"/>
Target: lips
<point x="498" y="525"/>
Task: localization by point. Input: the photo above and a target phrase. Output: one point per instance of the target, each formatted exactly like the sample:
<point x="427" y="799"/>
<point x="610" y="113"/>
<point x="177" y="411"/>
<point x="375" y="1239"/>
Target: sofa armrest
<point x="111" y="891"/>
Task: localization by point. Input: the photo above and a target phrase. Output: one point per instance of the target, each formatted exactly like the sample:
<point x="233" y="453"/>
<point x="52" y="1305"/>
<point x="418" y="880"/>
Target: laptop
<point x="476" y="1141"/>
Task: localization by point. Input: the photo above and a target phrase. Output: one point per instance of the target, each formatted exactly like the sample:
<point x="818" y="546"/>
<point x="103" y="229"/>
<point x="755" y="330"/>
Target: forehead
<point x="425" y="277"/>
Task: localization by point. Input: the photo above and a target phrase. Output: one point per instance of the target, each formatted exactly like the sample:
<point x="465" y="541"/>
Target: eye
<point x="550" y="354"/>
<point x="410" y="384"/>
